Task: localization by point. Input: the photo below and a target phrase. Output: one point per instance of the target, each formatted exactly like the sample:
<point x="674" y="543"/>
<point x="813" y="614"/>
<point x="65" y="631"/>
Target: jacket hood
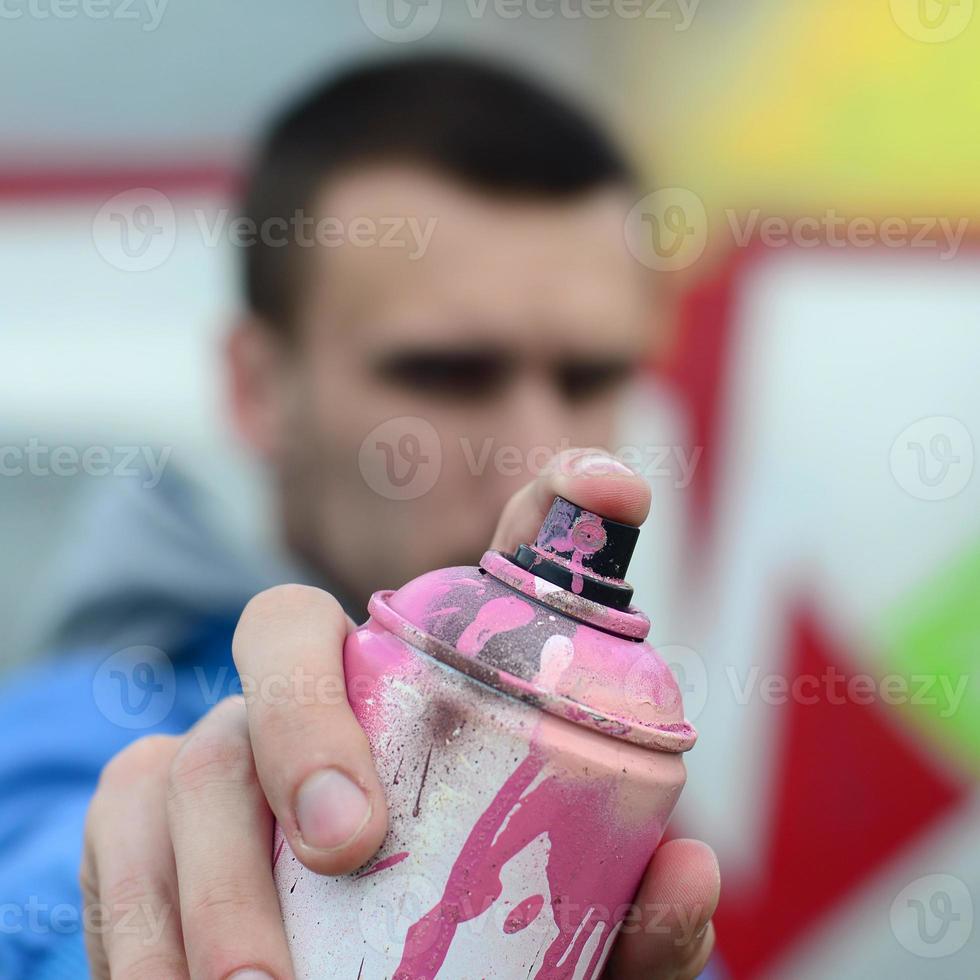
<point x="143" y="566"/>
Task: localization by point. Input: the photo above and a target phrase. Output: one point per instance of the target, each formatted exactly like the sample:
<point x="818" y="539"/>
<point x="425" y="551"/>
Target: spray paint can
<point x="529" y="742"/>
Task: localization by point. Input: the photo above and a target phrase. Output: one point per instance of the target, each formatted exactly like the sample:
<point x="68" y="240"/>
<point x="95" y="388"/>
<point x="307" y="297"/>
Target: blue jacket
<point x="59" y="724"/>
<point x="143" y="606"/>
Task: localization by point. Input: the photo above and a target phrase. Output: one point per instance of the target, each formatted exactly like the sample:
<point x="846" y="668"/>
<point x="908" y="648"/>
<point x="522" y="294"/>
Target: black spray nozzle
<point x="583" y="553"/>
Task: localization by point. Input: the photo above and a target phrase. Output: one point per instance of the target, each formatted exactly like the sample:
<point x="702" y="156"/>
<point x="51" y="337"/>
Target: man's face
<point x="443" y="352"/>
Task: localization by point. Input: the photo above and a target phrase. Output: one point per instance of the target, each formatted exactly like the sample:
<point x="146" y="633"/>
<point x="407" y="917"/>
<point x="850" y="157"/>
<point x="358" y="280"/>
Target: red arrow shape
<point x="851" y="789"/>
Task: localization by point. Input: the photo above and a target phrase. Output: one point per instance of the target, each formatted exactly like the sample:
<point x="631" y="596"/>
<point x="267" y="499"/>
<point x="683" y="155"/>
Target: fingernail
<point x="598" y="464"/>
<point x="250" y="974"/>
<point x="331" y="810"/>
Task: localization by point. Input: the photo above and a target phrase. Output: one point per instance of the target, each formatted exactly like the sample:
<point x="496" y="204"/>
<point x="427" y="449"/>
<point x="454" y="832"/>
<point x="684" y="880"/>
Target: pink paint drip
<point x="578" y="821"/>
<point x="499" y="615"/>
<point x="623" y="622"/>
<point x="583" y="538"/>
<point x="523" y="914"/>
<point x="388" y="862"/>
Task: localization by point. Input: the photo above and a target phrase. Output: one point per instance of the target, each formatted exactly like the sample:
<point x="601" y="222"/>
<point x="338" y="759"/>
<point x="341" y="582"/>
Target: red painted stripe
<point x="28" y="184"/>
<point x="699" y="370"/>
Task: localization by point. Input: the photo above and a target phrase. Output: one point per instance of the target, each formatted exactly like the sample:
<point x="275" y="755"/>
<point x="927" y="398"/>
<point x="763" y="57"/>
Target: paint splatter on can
<point x="529" y="742"/>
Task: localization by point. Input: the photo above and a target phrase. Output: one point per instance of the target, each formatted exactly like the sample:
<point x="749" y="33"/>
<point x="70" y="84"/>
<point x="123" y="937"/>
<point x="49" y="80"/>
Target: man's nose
<point x="539" y="417"/>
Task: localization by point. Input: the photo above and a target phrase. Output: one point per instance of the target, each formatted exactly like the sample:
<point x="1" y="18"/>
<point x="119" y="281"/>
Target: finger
<point x="591" y="478"/>
<point x="128" y="877"/>
<point x="221" y="829"/>
<point x="669" y="935"/>
<point x="313" y="758"/>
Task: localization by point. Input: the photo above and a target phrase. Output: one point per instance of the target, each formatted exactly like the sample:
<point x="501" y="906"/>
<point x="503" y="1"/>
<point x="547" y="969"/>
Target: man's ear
<point x="255" y="365"/>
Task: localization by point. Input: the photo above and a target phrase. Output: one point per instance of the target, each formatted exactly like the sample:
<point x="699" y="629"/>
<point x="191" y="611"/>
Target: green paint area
<point x="932" y="641"/>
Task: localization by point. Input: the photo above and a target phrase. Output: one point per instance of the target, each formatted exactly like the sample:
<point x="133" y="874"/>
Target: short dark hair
<point x="479" y="123"/>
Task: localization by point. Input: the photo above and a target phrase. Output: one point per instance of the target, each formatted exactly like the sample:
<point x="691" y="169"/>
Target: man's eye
<point x="449" y="375"/>
<point x="589" y="379"/>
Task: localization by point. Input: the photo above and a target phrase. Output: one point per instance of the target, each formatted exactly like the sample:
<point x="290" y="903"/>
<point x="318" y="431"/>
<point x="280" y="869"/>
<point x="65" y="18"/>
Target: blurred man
<point x="435" y="243"/>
